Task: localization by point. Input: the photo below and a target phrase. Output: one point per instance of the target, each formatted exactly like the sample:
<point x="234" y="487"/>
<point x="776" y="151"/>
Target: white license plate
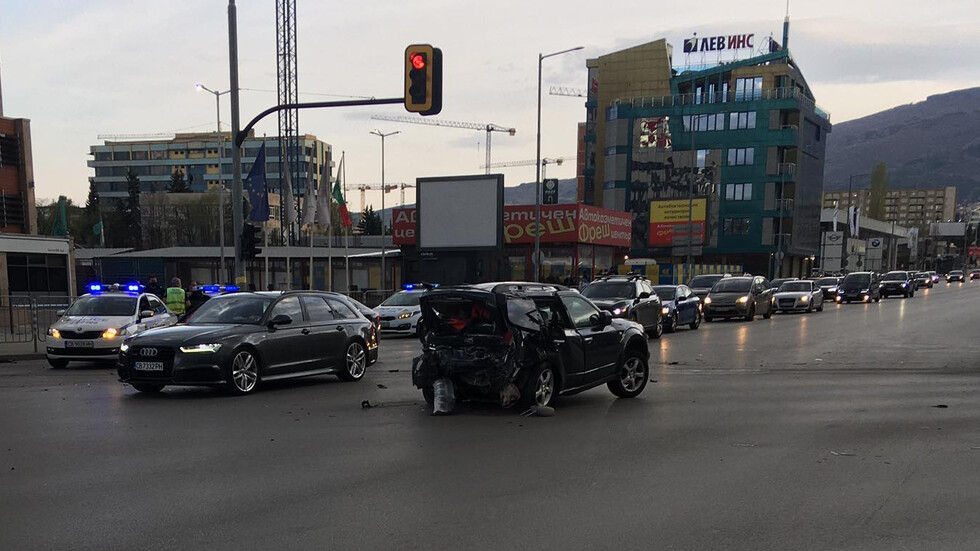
<point x="148" y="366"/>
<point x="79" y="344"/>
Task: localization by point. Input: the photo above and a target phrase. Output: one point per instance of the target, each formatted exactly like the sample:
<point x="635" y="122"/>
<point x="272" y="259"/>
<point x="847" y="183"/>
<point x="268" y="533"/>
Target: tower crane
<point x="567" y="91"/>
<point x="363" y="188"/>
<point x="488" y="127"/>
<point x="531" y="162"/>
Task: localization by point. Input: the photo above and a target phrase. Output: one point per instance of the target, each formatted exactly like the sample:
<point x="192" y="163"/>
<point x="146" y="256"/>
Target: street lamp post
<point x="537" y="167"/>
<point x="221" y="187"/>
<point x="384" y="190"/>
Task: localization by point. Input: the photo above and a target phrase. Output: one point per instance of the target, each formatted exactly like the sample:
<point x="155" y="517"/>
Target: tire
<point x="634" y="374"/>
<point x="244" y="372"/>
<point x="708" y="319"/>
<point x="767" y="315"/>
<point x="148" y="388"/>
<point x="541" y="387"/>
<point x="672" y="324"/>
<point x="697" y="321"/>
<point x="750" y="315"/>
<point x="809" y="308"/>
<point x="429" y="394"/>
<point x="658" y="329"/>
<point x="820" y="308"/>
<point x="907" y="295"/>
<point x="57" y="364"/>
<point x="878" y="299"/>
<point x="355" y="362"/>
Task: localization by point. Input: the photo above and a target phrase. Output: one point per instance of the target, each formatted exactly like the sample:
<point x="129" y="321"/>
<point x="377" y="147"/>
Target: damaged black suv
<point x="525" y="343"/>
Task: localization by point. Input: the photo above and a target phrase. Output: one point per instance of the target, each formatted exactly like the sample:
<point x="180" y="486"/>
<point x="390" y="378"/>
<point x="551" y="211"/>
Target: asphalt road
<point x="815" y="431"/>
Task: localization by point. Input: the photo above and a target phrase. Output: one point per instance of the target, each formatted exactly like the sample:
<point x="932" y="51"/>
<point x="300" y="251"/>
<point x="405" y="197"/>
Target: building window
<point x="140" y="155"/>
<point x="103" y="156"/>
<point x="120" y="155"/>
<point x="741" y="120"/>
<point x="748" y="89"/>
<point x="740" y="157"/>
<point x="158" y="155"/>
<point x="736" y="226"/>
<point x="705" y="123"/>
<point x="738" y="192"/>
<point x="702" y="158"/>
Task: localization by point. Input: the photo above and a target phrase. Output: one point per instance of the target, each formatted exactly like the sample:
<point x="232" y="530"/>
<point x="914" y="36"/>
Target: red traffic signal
<point x="423" y="79"/>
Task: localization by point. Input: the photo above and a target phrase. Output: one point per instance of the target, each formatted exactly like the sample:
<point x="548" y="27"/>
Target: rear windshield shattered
<point x="461" y="315"/>
<point x="524" y="314"/>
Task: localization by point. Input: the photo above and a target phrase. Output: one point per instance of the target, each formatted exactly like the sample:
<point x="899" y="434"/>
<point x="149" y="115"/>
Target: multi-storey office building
<point x="203" y="158"/>
<point x="17" y="212"/>
<point x="721" y="162"/>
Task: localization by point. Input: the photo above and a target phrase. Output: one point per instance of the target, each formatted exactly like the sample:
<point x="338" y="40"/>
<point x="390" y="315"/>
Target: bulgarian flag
<point x="338" y="195"/>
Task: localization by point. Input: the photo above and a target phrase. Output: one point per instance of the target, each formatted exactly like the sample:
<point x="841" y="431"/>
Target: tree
<point x="879" y="189"/>
<point x="130" y="211"/>
<point x="370" y="223"/>
<point x="177" y="183"/>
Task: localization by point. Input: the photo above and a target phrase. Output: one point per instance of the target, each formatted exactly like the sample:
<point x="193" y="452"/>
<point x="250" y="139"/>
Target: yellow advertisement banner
<point x="677" y="210"/>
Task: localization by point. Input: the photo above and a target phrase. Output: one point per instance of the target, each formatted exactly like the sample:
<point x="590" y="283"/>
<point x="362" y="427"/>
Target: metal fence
<point x="370" y="298"/>
<point x="26" y="319"/>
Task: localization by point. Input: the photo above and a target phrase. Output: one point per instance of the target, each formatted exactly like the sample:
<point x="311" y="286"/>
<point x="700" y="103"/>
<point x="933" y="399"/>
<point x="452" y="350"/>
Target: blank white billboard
<point x="460" y="212"/>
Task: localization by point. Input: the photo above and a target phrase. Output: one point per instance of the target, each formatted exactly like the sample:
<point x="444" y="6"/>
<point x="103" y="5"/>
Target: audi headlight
<point x="804" y="299"/>
<point x="54" y="333"/>
<point x="665" y="310"/>
<point x="110" y="333"/>
<point x="124" y="347"/>
<point x="742" y="300"/>
<point x="707" y="300"/>
<point x="200" y="349"/>
<point x="617" y="311"/>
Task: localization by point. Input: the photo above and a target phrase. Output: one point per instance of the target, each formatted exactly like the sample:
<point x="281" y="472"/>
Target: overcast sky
<point x="79" y="68"/>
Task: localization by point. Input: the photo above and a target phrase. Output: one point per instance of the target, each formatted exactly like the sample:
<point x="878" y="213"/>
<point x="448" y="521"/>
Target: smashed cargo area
<point x="481" y="342"/>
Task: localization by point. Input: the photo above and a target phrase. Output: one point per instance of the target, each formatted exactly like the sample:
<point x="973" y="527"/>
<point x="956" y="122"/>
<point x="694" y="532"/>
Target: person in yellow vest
<point x="176" y="297"/>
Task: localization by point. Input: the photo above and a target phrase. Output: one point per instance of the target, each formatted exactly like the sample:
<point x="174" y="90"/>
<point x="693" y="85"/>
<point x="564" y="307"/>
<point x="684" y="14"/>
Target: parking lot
<point x="854" y="428"/>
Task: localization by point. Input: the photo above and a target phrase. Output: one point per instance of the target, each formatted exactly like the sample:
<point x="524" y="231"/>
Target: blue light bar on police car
<point x="211" y="288"/>
<point x="95" y="287"/>
<point x="231" y="288"/>
<point x="132" y="287"/>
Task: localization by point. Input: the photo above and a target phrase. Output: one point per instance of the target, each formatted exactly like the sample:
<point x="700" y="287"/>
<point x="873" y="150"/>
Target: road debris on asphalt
<point x="843" y="454"/>
<point x="540" y="411"/>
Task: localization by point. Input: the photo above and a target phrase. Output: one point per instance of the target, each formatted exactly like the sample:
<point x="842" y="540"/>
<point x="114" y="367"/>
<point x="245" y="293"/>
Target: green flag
<point x="97" y="228"/>
<point x="61" y="219"/>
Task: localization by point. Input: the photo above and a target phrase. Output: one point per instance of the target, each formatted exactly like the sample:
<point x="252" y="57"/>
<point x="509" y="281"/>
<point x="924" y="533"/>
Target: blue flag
<point x="258" y="192"/>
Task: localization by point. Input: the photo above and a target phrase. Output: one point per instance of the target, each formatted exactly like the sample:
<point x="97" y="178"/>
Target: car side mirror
<point x="146" y="314"/>
<point x="60" y="313"/>
<point x="281" y="319"/>
<point x="644" y="295"/>
<point x="602" y="319"/>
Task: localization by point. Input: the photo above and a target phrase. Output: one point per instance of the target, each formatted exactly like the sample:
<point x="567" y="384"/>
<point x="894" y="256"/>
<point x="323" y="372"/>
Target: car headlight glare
<point x="804" y="299"/>
<point x="200" y="348"/>
<point x="617" y="311"/>
<point x="707" y="300"/>
<point x="54" y="333"/>
<point x="665" y="310"/>
<point x="905" y="284"/>
<point x="124" y="347"/>
<point x="742" y="300"/>
<point x="110" y="333"/>
<point x="406" y="315"/>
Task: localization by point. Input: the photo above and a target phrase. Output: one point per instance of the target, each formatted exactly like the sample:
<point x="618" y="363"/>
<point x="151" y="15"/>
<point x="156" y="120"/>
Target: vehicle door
<point x="816" y="294"/>
<point x="571" y="349"/>
<point x="346" y="325"/>
<point x="650" y="310"/>
<point x="324" y="340"/>
<point x="600" y="342"/>
<point x="763" y="295"/>
<point x="161" y="316"/>
<point x="143" y="305"/>
<point x="285" y="348"/>
<point x="686" y="305"/>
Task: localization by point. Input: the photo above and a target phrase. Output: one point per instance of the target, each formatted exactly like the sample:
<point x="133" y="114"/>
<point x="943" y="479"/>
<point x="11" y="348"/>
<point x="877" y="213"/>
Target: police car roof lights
<point x="420" y="285"/>
<point x="95" y="287"/>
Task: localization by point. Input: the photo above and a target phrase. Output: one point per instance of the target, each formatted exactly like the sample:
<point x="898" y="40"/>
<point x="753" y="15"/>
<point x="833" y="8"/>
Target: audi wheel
<point x="355" y="362"/>
<point x="243" y="373"/>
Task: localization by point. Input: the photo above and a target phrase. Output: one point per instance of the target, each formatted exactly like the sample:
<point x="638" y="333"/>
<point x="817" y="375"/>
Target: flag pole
<point x="343" y="168"/>
<point x="311" y="256"/>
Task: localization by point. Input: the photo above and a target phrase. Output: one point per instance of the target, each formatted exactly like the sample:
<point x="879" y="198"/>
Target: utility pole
<point x="237" y="206"/>
<point x="384" y="190"/>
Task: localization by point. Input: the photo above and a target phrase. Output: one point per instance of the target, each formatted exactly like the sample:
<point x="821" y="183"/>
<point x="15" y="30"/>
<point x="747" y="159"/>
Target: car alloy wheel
<point x="672" y="324"/>
<point x="244" y="372"/>
<point x="356" y="361"/>
<point x="697" y="321"/>
<point x="634" y="372"/>
<point x="544" y="387"/>
<point x="658" y="328"/>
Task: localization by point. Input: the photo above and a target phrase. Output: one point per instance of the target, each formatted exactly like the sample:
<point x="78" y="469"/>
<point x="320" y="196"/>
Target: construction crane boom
<point x="531" y="162"/>
<point x="567" y="91"/>
<point x="363" y="188"/>
<point x="488" y="127"/>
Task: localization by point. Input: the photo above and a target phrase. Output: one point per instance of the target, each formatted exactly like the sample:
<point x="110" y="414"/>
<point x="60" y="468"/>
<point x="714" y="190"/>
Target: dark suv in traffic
<point x="859" y="287"/>
<point x="898" y="283"/>
<point x="739" y="297"/>
<point x="525" y="343"/>
<point x="631" y="297"/>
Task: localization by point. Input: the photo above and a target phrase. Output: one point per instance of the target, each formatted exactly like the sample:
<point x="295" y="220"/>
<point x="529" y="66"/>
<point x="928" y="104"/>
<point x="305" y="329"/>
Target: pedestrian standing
<point x="176" y="297"/>
<point x="196" y="298"/>
<point x="153" y="287"/>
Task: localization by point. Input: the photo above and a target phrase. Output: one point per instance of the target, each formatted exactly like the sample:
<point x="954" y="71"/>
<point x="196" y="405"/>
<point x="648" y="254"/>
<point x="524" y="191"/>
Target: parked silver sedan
<point x="799" y="296"/>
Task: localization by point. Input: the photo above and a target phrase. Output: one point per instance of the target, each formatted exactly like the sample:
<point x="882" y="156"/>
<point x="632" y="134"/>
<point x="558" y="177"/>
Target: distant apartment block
<point x="910" y="208"/>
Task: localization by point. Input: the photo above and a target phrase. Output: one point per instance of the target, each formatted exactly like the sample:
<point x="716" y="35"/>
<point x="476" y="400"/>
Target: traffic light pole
<point x="237" y="206"/>
<point x="240" y="135"/>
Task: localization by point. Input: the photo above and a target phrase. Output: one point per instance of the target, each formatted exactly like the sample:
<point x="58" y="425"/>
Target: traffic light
<point x="251" y="238"/>
<point x="423" y="79"/>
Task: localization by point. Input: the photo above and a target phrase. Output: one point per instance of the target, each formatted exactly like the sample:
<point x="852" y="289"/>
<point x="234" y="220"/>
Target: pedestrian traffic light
<point x="423" y="79"/>
<point x="251" y="238"/>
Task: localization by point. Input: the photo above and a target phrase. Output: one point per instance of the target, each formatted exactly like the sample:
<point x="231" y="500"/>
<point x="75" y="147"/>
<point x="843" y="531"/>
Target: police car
<point x="94" y="325"/>
<point x="400" y="313"/>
